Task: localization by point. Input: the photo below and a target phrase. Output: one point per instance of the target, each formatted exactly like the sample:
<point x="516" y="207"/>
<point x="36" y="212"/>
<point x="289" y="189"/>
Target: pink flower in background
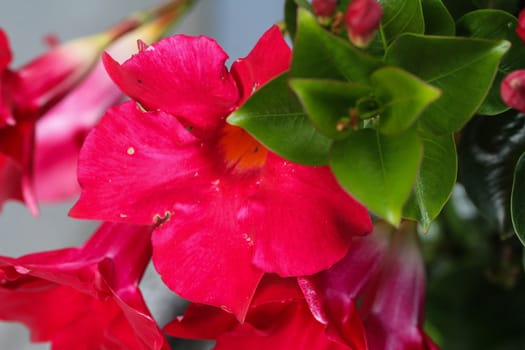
<point x="278" y="319"/>
<point x="227" y="210"/>
<point x="84" y="298"/>
<point x="385" y="272"/>
<point x="362" y="20"/>
<point x="324" y="8"/>
<point x="520" y="29"/>
<point x="513" y="90"/>
<point x="44" y="97"/>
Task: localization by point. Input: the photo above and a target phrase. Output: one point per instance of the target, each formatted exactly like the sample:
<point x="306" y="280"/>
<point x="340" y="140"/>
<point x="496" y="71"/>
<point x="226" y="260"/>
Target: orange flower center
<point x="241" y="151"/>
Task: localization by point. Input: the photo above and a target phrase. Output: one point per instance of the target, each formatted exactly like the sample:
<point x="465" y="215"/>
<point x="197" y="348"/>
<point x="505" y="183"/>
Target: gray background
<point x="235" y="24"/>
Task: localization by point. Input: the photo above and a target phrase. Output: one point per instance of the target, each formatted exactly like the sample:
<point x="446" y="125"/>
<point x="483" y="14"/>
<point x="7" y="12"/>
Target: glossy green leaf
<point x="379" y="170"/>
<point x="401" y="16"/>
<point x="495" y="24"/>
<point x="518" y="199"/>
<point x="462" y="68"/>
<point x="274" y="116"/>
<point x="327" y="102"/>
<point x="438" y="21"/>
<point x="402" y="98"/>
<point x="488" y="152"/>
<point x="321" y="54"/>
<point x="435" y="181"/>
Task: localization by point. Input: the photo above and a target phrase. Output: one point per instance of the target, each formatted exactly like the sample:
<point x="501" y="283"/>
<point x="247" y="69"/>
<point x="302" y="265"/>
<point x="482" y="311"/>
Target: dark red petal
<point x="324" y="8"/>
<point x="150" y="162"/>
<point x="392" y="306"/>
<point x="181" y="75"/>
<point x="301" y="219"/>
<point x="201" y="322"/>
<point x="10" y="180"/>
<point x="270" y="57"/>
<point x="292" y="328"/>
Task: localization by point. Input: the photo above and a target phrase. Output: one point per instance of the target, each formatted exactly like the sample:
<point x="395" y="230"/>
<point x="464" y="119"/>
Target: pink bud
<point x="513" y="90"/>
<point x="520" y="30"/>
<point x="362" y="19"/>
<point x="324" y="8"/>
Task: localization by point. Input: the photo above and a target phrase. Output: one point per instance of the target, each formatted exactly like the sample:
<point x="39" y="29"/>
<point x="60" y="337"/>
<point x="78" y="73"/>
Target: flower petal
<point x="150" y="162"/>
<point x="85" y="298"/>
<point x="181" y="75"/>
<point x="204" y="255"/>
<point x="270" y="57"/>
<point x="301" y="219"/>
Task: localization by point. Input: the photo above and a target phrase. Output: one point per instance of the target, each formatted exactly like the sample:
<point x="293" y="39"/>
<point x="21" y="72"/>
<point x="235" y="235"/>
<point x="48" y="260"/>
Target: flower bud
<point x="324" y="8"/>
<point x="513" y="90"/>
<point x="362" y="19"/>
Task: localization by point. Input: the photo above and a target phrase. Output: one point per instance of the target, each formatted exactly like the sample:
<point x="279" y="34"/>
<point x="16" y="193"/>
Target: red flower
<point x="385" y="272"/>
<point x="362" y="19"/>
<point x="278" y="319"/>
<point x="227" y="210"/>
<point x="520" y="30"/>
<point x="84" y="298"/>
<point x="513" y="90"/>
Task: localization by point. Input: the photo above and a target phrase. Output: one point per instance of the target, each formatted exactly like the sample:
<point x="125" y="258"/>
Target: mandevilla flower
<point x="60" y="131"/>
<point x="362" y="19"/>
<point x="385" y="272"/>
<point x="33" y="99"/>
<point x="513" y="90"/>
<point x="278" y="319"/>
<point x="226" y="209"/>
<point x="84" y="298"/>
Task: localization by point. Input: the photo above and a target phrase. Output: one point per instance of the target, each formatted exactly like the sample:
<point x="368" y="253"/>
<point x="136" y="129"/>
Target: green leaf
<point x="378" y="170"/>
<point x="320" y="54"/>
<point x="275" y="118"/>
<point x="462" y="68"/>
<point x="402" y="98"/>
<point x="438" y="20"/>
<point x="488" y="152"/>
<point x="327" y="102"/>
<point x="512" y="6"/>
<point x="518" y="199"/>
<point x="290" y="17"/>
<point x="401" y="16"/>
<point x="495" y="24"/>
<point x="435" y="180"/>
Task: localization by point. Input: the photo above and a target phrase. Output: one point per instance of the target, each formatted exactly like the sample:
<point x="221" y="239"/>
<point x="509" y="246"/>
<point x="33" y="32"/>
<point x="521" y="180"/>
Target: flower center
<point x="241" y="151"/>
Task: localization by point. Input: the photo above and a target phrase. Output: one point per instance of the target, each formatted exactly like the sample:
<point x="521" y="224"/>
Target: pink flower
<point x="362" y="19"/>
<point x="227" y="210"/>
<point x="278" y="319"/>
<point x="513" y="90"/>
<point x="44" y="97"/>
<point x="84" y="298"/>
<point x="385" y="272"/>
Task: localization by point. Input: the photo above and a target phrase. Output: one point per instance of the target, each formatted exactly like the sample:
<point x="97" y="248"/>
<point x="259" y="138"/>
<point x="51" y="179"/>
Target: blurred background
<point x="236" y="25"/>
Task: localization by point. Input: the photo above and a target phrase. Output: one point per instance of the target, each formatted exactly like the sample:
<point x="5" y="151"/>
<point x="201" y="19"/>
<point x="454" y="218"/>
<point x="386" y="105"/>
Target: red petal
<point x="270" y="57"/>
<point x="292" y="328"/>
<point x="181" y="75"/>
<point x="150" y="162"/>
<point x="85" y="298"/>
<point x="205" y="256"/>
<point x="301" y="219"/>
<point x="10" y="180"/>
